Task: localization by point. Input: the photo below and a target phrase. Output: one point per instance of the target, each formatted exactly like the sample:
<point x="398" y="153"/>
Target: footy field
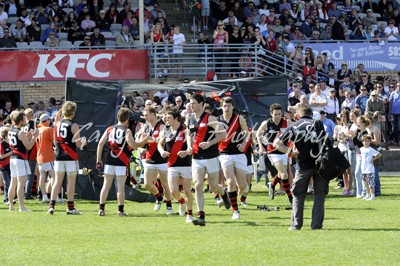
<point x="355" y="232"/>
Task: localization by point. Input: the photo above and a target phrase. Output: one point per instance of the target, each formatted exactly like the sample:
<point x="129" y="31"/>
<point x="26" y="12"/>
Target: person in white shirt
<point x="391" y="32"/>
<point x="332" y="107"/>
<point x="177" y="49"/>
<point x="318" y="101"/>
<point x="368" y="156"/>
<point x="348" y="100"/>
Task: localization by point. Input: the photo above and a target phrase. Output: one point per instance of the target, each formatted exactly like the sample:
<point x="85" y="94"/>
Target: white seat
<point x="36" y="45"/>
<point x="110" y="44"/>
<point x="362" y="15"/>
<point x="76" y="44"/>
<point x="376" y="15"/>
<point x="68" y="10"/>
<point x="380" y="23"/>
<point x="65" y="44"/>
<point x="63" y="36"/>
<point x="323" y="25"/>
<point x="298" y="24"/>
<point x="12" y="20"/>
<point x="22" y="45"/>
<point x="115" y="27"/>
<point x="356" y="8"/>
<point x="107" y="34"/>
<point x="43" y="27"/>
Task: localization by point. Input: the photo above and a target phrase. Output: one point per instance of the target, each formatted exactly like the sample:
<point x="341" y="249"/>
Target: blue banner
<point x="375" y="57"/>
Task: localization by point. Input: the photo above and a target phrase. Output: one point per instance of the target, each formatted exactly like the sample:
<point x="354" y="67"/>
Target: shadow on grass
<point x="363" y="229"/>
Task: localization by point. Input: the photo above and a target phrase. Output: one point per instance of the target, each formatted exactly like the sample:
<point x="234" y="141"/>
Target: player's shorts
<point x="274" y="158"/>
<point x="211" y="165"/>
<point x="156" y="166"/>
<point x="45" y="167"/>
<point x="183" y="171"/>
<point x="239" y="161"/>
<point x="66" y="166"/>
<point x="115" y="170"/>
<point x="19" y="167"/>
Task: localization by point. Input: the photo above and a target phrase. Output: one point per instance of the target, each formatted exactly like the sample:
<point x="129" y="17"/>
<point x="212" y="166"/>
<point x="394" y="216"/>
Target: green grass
<point x="355" y="232"/>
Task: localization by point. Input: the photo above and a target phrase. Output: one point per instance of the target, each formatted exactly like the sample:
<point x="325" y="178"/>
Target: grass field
<point x="355" y="232"/>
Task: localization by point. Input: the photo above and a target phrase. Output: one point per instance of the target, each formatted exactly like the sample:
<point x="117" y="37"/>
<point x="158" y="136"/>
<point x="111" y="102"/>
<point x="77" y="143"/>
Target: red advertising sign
<point x="88" y="65"/>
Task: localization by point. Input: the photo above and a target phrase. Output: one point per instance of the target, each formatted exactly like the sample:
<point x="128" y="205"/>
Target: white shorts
<point x="180" y="171"/>
<point x="45" y="167"/>
<point x="115" y="170"/>
<point x="19" y="167"/>
<point x="274" y="158"/>
<point x="205" y="12"/>
<point x="239" y="161"/>
<point x="250" y="169"/>
<point x="159" y="166"/>
<point x="66" y="166"/>
<point x="211" y="165"/>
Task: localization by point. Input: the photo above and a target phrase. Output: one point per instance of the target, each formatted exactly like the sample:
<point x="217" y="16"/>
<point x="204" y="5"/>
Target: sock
<point x="121" y="208"/>
<point x="159" y="186"/>
<point x="276" y="181"/>
<point x="48" y="195"/>
<point x="201" y="215"/>
<point x="59" y="195"/>
<point x="168" y="202"/>
<point x="233" y="199"/>
<point x="243" y="198"/>
<point x="225" y="196"/>
<point x="52" y="203"/>
<point x="180" y="188"/>
<point x="159" y="196"/>
<point x="190" y="212"/>
<point x="216" y="195"/>
<point x="71" y="205"/>
<point x="102" y="206"/>
<point x="286" y="187"/>
<point x="182" y="201"/>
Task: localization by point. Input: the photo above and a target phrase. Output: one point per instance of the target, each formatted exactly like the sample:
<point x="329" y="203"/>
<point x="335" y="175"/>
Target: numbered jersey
<point x="65" y="142"/>
<point x="120" y="152"/>
<point x="18" y="148"/>
<point x="32" y="153"/>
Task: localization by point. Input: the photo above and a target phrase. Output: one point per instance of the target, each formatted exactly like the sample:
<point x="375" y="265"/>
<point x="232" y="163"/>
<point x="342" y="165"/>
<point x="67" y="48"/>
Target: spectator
<point x="75" y="33"/>
<point x="124" y="38"/>
<point x="306" y="27"/>
<point x="66" y="3"/>
<point x="295" y="12"/>
<point x="70" y="19"/>
<point x="87" y="44"/>
<point x="231" y="15"/>
<point x="103" y="22"/>
<point x="394" y="113"/>
<point x="315" y="35"/>
<point x="334" y="11"/>
<point x="3" y="14"/>
<point x="369" y="20"/>
<point x="81" y="6"/>
<point x="41" y="15"/>
<point x="285" y="17"/>
<point x="343" y="71"/>
<point x="364" y="82"/>
<point x="337" y="29"/>
<point x="264" y="9"/>
<point x="361" y="99"/>
<point x="8" y="108"/>
<point x="391" y="32"/>
<point x="329" y="125"/>
<point x="332" y="107"/>
<point x="82" y="15"/>
<point x="56" y="11"/>
<point x="13" y="8"/>
<point x="306" y="12"/>
<point x="177" y="50"/>
<point x="97" y="39"/>
<point x="348" y="101"/>
<point x="128" y="20"/>
<point x="358" y="33"/>
<point x="164" y="26"/>
<point x="248" y="8"/>
<point x="284" y="5"/>
<point x="34" y="31"/>
<point x="46" y="33"/>
<point x="318" y="100"/>
<point x="52" y="41"/>
<point x="238" y="11"/>
<point x="7" y="41"/>
<point x="19" y="32"/>
<point x="112" y="13"/>
<point x="156" y="8"/>
<point x="255" y="16"/>
<point x="370" y="5"/>
<point x="346" y="85"/>
<point x="88" y="24"/>
<point x="277" y="27"/>
<point x="271" y="17"/>
<point x="354" y="19"/>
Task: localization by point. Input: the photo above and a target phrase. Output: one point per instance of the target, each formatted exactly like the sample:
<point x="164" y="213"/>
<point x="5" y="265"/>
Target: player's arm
<point x="245" y="132"/>
<point x="259" y="135"/>
<point x="161" y="144"/>
<point x="220" y="132"/>
<point x="28" y="143"/>
<point x="79" y="142"/>
<point x="100" y="147"/>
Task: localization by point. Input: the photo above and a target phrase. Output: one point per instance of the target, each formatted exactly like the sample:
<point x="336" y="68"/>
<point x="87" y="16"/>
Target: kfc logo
<point x="75" y="61"/>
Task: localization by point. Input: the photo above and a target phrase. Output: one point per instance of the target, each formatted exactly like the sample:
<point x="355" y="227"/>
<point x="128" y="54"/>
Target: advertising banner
<point x="88" y="65"/>
<point x="375" y="56"/>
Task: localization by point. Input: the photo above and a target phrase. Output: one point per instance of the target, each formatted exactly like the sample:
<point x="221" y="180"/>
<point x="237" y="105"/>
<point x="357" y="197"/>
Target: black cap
<point x="322" y="112"/>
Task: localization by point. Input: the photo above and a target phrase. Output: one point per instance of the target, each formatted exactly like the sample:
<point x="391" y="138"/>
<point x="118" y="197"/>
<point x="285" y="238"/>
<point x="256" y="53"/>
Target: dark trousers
<point x="396" y="127"/>
<point x="299" y="191"/>
<point x="6" y="179"/>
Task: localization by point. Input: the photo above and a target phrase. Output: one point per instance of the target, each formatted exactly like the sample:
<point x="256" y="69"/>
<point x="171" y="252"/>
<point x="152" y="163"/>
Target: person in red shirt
<point x="5" y="152"/>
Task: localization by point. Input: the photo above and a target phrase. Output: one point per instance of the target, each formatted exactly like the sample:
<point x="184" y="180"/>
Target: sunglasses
<point x="364" y="76"/>
<point x="363" y="89"/>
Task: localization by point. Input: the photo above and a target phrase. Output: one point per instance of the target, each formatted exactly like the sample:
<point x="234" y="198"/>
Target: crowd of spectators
<point x="299" y="20"/>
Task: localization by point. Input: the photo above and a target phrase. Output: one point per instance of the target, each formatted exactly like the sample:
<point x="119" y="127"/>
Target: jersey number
<point x="12" y="137"/>
<point x="116" y="136"/>
<point x="62" y="130"/>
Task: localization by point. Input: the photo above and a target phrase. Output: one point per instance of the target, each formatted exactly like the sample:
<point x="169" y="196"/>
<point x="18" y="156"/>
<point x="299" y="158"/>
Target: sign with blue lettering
<point x="374" y="56"/>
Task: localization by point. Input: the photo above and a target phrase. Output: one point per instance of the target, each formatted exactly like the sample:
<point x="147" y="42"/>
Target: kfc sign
<point x="59" y="65"/>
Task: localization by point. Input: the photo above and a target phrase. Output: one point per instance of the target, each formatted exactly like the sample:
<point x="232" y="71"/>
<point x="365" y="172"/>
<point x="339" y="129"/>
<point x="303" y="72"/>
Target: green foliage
<point x="356" y="232"/>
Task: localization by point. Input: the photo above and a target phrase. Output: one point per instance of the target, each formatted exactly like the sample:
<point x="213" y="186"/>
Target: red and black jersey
<point x="204" y="133"/>
<point x="4" y="148"/>
<point x="175" y="143"/>
<point x="248" y="149"/>
<point x="120" y="152"/>
<point x="271" y="133"/>
<point x="32" y="153"/>
<point x="234" y="135"/>
<point x="153" y="156"/>
<point x="18" y="148"/>
<point x="65" y="147"/>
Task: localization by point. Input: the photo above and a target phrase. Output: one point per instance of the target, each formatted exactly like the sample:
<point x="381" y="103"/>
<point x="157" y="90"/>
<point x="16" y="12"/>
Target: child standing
<point x="5" y="152"/>
<point x="368" y="156"/>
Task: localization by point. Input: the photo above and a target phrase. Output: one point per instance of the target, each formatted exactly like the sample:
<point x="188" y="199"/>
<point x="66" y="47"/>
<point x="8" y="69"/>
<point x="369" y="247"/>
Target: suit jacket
<point x="121" y="41"/>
